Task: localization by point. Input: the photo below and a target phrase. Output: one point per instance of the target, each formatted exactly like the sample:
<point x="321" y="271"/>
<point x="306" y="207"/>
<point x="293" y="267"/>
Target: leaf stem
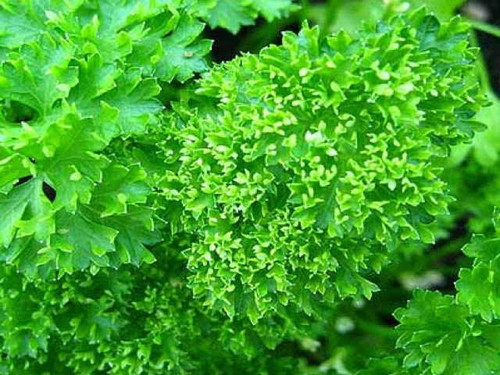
<point x="485" y="27"/>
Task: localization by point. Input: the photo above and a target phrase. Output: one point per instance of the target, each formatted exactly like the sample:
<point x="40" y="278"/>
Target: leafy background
<point x="144" y="304"/>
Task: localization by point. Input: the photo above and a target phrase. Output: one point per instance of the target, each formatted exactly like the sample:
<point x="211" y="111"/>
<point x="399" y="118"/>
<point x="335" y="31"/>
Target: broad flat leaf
<point x="96" y="77"/>
<point x="13" y="166"/>
<point x="80" y="241"/>
<point x="171" y="52"/>
<point x="70" y="95"/>
<point x="39" y="74"/>
<point x="24" y="254"/>
<point x="233" y="14"/>
<point x="479" y="286"/>
<point x="120" y="103"/>
<point x="115" y="29"/>
<point x="272" y="9"/>
<point x="77" y="240"/>
<point x="439" y="334"/>
<point x="351" y="14"/>
<point x="496" y="219"/>
<point x="20" y="25"/>
<point x="386" y="366"/>
<point x="135" y="230"/>
<point x="120" y="188"/>
<point x="70" y="162"/>
<point x="25" y="211"/>
<point x="134" y="103"/>
<point x="183" y="54"/>
<point x="228" y="14"/>
<point x="444" y="9"/>
<point x="486" y="145"/>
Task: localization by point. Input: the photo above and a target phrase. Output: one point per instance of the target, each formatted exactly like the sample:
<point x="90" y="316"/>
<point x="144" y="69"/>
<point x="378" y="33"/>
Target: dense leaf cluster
<point x="75" y="77"/>
<point x="315" y="159"/>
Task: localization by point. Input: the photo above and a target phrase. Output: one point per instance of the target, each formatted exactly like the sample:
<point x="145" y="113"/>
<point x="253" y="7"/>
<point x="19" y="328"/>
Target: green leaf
<point x="80" y="241"/>
<point x="317" y="158"/>
<point x="177" y="53"/>
<point x="496" y="219"/>
<point x="135" y="230"/>
<point x="272" y="9"/>
<point x="388" y="366"/>
<point x="26" y="211"/>
<point x="81" y="84"/>
<point x="351" y="14"/>
<point x="69" y="160"/>
<point x="132" y="107"/>
<point x="479" y="286"/>
<point x="20" y="24"/>
<point x="120" y="188"/>
<point x="231" y="15"/>
<point x="444" y="9"/>
<point x="438" y="333"/>
<point x="13" y="166"/>
<point x="184" y="53"/>
<point x="486" y="145"/>
<point x="39" y="74"/>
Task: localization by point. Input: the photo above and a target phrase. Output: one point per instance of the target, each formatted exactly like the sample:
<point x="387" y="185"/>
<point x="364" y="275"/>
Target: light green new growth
<point x="311" y="161"/>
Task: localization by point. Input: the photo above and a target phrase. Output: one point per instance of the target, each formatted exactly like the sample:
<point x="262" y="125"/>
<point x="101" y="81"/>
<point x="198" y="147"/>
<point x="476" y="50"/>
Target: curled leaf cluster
<point x="313" y="160"/>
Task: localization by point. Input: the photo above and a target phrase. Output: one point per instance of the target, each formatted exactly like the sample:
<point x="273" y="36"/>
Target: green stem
<point x="332" y="9"/>
<point x="377" y="330"/>
<point x="481" y="67"/>
<point x="485" y="27"/>
<point x="449" y="248"/>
